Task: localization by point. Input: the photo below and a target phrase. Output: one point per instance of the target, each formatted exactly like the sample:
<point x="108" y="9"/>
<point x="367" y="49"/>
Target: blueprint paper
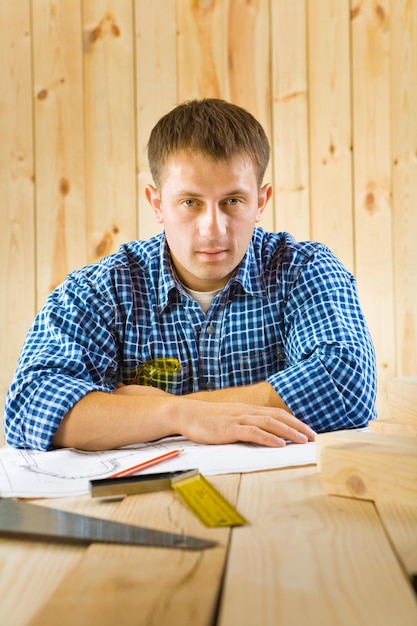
<point x="67" y="472"/>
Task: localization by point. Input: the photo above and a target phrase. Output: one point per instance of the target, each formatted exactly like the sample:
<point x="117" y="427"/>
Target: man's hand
<point x="221" y="423"/>
<point x="221" y="418"/>
<point x="134" y="414"/>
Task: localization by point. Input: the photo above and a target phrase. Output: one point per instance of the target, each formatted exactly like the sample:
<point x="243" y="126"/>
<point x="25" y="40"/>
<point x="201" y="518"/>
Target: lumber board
<point x="400" y="521"/>
<point x="324" y="561"/>
<point x="42" y="565"/>
<point x="352" y="435"/>
<point x="391" y="426"/>
<point x="136" y="585"/>
<point x="369" y="466"/>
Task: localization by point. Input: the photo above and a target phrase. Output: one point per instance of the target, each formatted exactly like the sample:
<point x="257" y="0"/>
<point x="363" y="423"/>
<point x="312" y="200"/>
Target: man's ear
<point x="154" y="199"/>
<point x="264" y="196"/>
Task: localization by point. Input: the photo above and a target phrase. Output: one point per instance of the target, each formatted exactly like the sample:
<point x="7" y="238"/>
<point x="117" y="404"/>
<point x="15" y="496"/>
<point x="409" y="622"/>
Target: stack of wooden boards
<point x="379" y="464"/>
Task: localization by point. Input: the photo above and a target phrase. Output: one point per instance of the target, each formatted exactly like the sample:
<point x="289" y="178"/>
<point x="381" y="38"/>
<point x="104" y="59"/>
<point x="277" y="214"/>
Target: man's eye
<point x="233" y="201"/>
<point x="189" y="203"/>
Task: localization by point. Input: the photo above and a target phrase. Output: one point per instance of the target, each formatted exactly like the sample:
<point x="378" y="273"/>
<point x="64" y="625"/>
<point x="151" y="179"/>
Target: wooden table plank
<point x="137" y="585"/>
<point x="311" y="558"/>
<point x="31" y="571"/>
<point x="400" y="521"/>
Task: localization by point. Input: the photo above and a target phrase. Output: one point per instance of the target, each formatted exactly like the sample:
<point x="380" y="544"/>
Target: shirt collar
<point x="167" y="277"/>
<point x="247" y="274"/>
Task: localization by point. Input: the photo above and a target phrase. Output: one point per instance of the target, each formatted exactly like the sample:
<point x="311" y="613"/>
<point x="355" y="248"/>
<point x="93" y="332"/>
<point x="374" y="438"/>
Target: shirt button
<point x="210" y="330"/>
<point x="210" y="386"/>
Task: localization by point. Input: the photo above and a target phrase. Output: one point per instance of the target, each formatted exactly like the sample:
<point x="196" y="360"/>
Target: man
<point x="215" y="330"/>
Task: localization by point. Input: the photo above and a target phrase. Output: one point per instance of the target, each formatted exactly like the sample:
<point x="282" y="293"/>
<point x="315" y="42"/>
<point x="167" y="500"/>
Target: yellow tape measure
<point x="211" y="508"/>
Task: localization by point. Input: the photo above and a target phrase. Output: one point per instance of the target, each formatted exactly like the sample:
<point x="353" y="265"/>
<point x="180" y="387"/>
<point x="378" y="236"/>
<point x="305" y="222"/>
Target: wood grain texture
<point x="372" y="178"/>
<point x="109" y="117"/>
<point x="303" y="558"/>
<point x="402" y="399"/>
<point x="332" y="563"/>
<point x="156" y="89"/>
<point x="290" y="139"/>
<point x="334" y="83"/>
<point x="228" y="42"/>
<point x="404" y="184"/>
<point x="40" y="566"/>
<point x="392" y="426"/>
<point x="17" y="233"/>
<point x="59" y="142"/>
<point x="400" y="521"/>
<point x="369" y="466"/>
<point x="330" y="126"/>
<point x="172" y="586"/>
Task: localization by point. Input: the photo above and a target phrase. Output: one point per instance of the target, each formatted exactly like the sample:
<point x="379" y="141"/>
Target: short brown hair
<point x="213" y="127"/>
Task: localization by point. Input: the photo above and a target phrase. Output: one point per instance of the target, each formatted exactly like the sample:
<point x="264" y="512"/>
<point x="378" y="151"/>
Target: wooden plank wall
<point x="333" y="81"/>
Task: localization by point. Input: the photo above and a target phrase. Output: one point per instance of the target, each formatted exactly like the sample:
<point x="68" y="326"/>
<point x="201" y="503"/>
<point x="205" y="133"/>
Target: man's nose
<point x="212" y="221"/>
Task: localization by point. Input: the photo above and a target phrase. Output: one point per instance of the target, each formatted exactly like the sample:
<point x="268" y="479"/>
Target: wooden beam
<point x="368" y="466"/>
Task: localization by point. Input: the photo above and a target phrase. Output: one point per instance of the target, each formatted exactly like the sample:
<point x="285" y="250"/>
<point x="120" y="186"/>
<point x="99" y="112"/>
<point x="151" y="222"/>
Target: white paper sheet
<point x="67" y="472"/>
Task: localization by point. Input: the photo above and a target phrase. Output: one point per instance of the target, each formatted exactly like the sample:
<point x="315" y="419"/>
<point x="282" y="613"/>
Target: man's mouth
<point x="212" y="255"/>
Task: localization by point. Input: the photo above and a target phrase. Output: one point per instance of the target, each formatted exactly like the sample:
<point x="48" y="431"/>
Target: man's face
<point x="209" y="210"/>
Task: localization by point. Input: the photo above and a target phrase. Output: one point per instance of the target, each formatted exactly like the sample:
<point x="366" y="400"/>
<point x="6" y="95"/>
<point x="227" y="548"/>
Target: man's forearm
<point x="261" y="394"/>
<point x="102" y="421"/>
<point x="133" y="414"/>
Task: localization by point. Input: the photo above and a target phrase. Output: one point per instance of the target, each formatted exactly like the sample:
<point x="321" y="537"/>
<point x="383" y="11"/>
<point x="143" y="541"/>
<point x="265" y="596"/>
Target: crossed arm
<point x="254" y="413"/>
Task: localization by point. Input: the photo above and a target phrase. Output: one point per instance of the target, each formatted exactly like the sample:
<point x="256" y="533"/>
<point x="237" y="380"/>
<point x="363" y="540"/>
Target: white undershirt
<point x="204" y="298"/>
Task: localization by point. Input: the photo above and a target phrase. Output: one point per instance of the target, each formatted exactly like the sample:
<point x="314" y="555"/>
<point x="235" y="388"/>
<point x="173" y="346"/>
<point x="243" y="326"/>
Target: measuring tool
<point x="127" y="485"/>
<point x="203" y="499"/>
<point x="157" y="373"/>
<point x="32" y="521"/>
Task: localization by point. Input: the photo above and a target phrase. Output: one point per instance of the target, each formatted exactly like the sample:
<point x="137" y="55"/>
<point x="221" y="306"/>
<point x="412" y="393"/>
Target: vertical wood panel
<point x="289" y="107"/>
<point x="59" y="142"/>
<point x="109" y="125"/>
<point x="372" y="178"/>
<point x="223" y="52"/>
<point x="248" y="57"/>
<point x="17" y="260"/>
<point x="404" y="135"/>
<point x="330" y="126"/>
<point x="156" y="88"/>
<point x="202" y="49"/>
<point x="104" y="71"/>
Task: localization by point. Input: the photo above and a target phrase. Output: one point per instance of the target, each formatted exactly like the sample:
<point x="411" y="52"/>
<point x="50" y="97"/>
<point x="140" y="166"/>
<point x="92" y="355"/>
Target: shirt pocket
<point x="254" y="365"/>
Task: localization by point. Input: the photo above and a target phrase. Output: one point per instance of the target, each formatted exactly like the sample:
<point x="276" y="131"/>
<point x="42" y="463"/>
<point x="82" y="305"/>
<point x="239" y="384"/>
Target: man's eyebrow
<point x="196" y="194"/>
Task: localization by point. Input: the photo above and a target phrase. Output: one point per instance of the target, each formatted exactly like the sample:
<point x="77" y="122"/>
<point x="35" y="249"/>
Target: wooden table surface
<point x="303" y="558"/>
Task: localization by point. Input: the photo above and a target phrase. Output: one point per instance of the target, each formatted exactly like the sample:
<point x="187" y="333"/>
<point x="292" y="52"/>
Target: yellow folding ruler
<point x="203" y="499"/>
<point x="197" y="493"/>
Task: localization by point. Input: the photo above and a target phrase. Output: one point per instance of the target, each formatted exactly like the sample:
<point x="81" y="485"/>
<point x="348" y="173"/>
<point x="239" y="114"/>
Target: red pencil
<point x="141" y="466"/>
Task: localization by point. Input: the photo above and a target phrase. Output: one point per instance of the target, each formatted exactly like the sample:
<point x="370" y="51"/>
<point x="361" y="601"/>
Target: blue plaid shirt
<point x="289" y="315"/>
